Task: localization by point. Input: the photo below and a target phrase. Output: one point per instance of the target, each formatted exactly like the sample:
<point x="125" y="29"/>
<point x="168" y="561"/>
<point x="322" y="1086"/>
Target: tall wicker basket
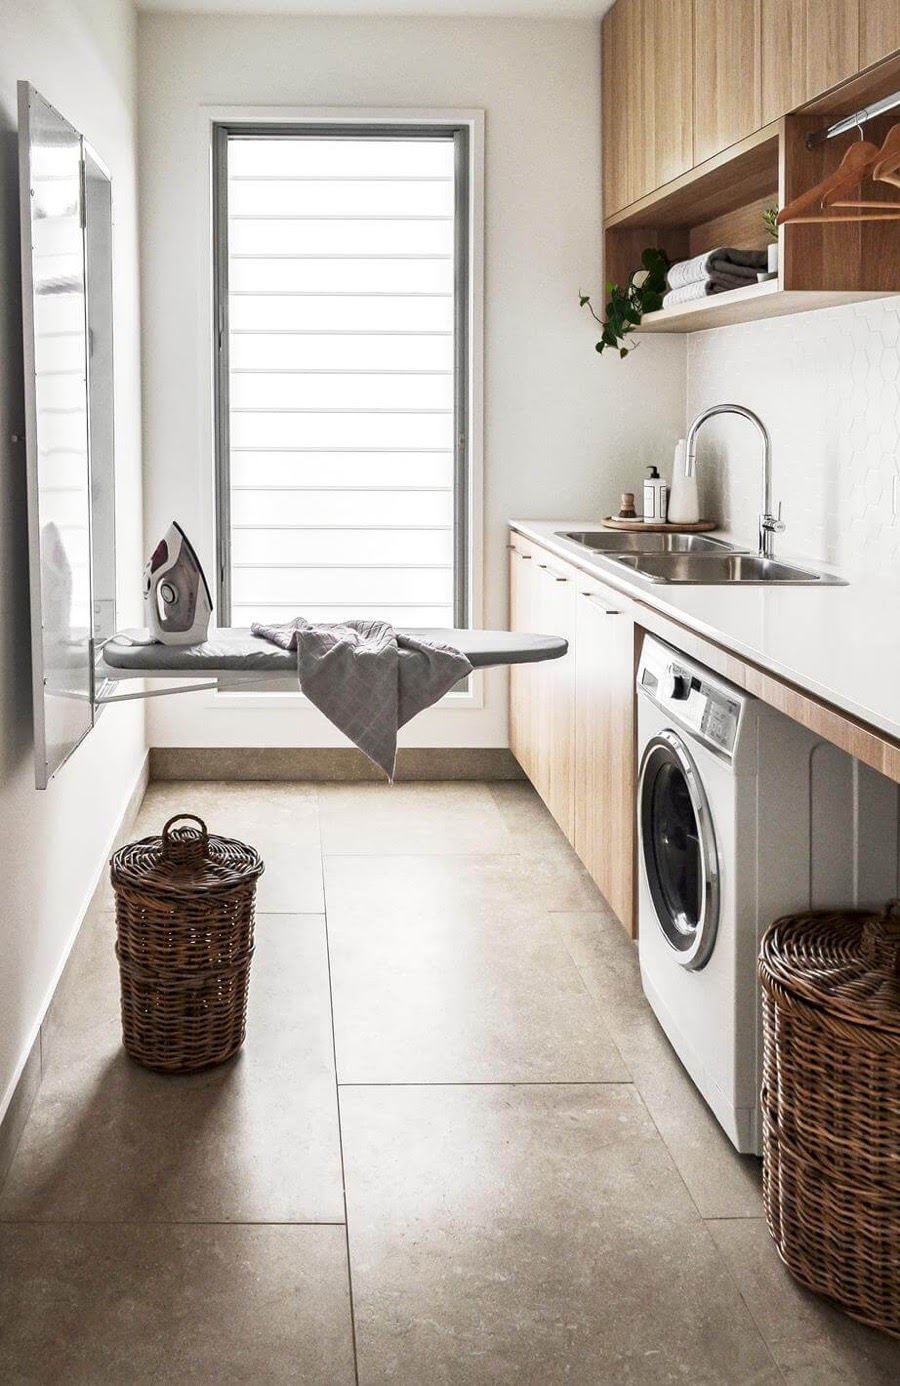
<point x="831" y="1105"/>
<point x="184" y="924"/>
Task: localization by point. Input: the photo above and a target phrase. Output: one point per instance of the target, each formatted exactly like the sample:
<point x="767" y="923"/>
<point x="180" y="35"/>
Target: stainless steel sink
<point x="632" y="541"/>
<point x="722" y="569"/>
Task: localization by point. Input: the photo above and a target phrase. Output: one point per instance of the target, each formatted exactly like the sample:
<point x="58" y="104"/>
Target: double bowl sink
<point x="693" y="558"/>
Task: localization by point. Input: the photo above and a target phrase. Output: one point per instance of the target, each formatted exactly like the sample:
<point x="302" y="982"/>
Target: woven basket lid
<point x="185" y="860"/>
<point x="845" y="962"/>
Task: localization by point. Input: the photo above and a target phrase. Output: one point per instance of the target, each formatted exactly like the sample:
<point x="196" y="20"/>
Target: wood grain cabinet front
<point x="879" y="30"/>
<point x="808" y="46"/>
<point x="605" y="745"/>
<point x="727" y="97"/>
<point x="524" y="679"/>
<point x="556" y="704"/>
<point x="542" y="696"/>
<point x="647" y="115"/>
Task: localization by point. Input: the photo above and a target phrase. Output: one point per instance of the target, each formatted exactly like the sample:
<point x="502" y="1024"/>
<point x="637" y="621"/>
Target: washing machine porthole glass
<point x="678" y="849"/>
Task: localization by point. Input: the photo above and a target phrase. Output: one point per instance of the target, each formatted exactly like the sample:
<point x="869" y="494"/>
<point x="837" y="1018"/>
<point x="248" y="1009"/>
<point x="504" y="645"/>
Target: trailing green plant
<point x="625" y="307"/>
<point x="769" y="217"/>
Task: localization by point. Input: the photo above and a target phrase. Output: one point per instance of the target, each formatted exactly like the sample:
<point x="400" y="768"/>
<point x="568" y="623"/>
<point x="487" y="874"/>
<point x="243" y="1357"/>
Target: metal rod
<point x="851" y="122"/>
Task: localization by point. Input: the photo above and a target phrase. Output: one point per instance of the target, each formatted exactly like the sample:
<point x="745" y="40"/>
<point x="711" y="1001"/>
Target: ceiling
<point x="446" y="9"/>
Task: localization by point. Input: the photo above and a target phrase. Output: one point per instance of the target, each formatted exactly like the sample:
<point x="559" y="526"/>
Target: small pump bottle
<point x="654" y="498"/>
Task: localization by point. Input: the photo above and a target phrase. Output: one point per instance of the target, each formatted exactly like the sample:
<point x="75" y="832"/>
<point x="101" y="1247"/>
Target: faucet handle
<point x="774" y="523"/>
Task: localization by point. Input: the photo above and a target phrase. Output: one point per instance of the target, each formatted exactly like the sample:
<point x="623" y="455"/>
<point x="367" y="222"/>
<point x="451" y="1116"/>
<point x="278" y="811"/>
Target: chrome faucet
<point x="769" y="524"/>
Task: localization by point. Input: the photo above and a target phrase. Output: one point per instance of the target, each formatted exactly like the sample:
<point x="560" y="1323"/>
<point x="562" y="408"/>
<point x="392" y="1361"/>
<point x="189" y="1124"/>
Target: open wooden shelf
<point x="721" y="201"/>
<point x="757" y="301"/>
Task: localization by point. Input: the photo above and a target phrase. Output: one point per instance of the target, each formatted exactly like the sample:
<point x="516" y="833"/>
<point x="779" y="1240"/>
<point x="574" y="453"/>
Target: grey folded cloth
<point x="725" y="259"/>
<point x="366" y="678"/>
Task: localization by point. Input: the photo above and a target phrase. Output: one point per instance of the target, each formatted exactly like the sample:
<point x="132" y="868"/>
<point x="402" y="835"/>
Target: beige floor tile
<point x="280" y="820"/>
<point x="253" y="1140"/>
<point x="813" y="1343"/>
<point x="527" y="818"/>
<point x="130" y="1305"/>
<point x="723" y="1183"/>
<point x="532" y="1235"/>
<point x="444" y="970"/>
<point x="382" y="819"/>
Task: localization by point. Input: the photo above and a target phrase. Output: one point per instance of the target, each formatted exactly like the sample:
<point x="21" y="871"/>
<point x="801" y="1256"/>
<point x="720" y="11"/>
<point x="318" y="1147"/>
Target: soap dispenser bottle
<point x="654" y="498"/>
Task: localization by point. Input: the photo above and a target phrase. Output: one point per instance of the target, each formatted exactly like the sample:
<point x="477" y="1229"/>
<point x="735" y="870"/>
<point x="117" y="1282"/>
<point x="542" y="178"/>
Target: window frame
<point x="464" y="269"/>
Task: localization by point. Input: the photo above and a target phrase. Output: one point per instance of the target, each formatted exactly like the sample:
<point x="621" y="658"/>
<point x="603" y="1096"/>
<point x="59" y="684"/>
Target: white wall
<point x="827" y="385"/>
<point x="80" y="54"/>
<point x="565" y="431"/>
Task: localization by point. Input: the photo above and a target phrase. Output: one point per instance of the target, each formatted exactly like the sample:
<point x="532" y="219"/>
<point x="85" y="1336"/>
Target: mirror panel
<point x="55" y="340"/>
<point x="98" y="224"/>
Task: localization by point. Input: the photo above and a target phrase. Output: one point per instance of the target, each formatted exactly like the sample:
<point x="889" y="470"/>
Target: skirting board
<point x="329" y="764"/>
<point x="26" y="1089"/>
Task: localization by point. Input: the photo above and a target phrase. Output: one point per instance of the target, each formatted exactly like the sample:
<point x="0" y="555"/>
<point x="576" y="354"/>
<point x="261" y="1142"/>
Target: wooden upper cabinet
<point x="808" y="46"/>
<point x="879" y="30"/>
<point x="727" y="90"/>
<point x="620" y="47"/>
<point x="668" y="29"/>
<point x="783" y="57"/>
<point x="832" y="44"/>
<point x="647" y="113"/>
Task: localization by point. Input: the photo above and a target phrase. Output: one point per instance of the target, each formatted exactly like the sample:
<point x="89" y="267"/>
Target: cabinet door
<point x="668" y="58"/>
<point x="647" y="109"/>
<point x="556" y="698"/>
<point x="808" y="46"/>
<point x="623" y="149"/>
<point x="727" y="104"/>
<point x="879" y="30"/>
<point x="832" y="43"/>
<point x="783" y="57"/>
<point x="604" y="747"/>
<point x="524" y="678"/>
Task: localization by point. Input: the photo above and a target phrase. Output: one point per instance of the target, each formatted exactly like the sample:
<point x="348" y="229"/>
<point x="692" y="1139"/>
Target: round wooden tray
<point x="698" y="527"/>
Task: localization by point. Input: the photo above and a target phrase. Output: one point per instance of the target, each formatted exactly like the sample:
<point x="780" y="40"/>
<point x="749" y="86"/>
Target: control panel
<point x="694" y="698"/>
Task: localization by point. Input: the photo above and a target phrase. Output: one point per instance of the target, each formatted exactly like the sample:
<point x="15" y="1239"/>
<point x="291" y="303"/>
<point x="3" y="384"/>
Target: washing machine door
<point x="678" y="849"/>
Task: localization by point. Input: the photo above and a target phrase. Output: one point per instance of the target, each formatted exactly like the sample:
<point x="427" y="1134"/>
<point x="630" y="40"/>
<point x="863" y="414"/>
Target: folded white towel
<point x="688" y="293"/>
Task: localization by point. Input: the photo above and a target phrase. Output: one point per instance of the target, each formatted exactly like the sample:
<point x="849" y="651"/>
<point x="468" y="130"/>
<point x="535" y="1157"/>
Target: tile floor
<point x="456" y="1147"/>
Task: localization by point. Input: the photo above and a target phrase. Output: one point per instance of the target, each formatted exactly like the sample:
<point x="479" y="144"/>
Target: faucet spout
<point x="769" y="524"/>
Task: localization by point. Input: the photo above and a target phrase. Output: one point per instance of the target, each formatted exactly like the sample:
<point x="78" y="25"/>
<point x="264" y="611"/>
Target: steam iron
<point x="177" y="603"/>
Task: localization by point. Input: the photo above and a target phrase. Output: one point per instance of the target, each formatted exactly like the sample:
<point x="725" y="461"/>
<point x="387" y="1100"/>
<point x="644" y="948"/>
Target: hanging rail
<point x="852" y="122"/>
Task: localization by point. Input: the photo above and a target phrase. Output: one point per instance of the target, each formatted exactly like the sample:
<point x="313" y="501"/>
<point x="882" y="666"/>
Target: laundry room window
<point x="342" y="368"/>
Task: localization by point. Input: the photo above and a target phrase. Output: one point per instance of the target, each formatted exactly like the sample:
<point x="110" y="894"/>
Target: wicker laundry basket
<point x="184" y="924"/>
<point x="831" y="1105"/>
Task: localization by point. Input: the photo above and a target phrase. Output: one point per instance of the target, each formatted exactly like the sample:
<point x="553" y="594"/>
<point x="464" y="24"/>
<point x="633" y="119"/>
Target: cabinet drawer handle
<point x="550" y="573"/>
<point x="607" y="610"/>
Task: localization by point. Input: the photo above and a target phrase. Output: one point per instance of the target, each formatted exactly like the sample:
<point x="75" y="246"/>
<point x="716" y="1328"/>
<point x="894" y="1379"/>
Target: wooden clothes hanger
<point x="861" y="159"/>
<point x="887" y="169"/>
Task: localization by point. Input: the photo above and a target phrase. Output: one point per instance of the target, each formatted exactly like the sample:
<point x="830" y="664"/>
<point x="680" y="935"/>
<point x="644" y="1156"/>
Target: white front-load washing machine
<point x="724" y="848"/>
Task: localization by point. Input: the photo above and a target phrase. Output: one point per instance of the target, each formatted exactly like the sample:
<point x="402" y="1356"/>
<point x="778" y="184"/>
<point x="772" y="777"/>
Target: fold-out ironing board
<point x="233" y="658"/>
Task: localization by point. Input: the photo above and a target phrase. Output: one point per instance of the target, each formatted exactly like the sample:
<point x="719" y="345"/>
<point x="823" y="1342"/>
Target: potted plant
<point x="625" y="307"/>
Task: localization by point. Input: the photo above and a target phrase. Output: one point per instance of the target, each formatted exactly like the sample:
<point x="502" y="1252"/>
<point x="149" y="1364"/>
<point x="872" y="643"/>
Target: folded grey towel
<point x="725" y="258"/>
<point x="368" y="680"/>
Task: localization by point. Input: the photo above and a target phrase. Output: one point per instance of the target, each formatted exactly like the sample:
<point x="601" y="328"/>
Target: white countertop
<point x="840" y="643"/>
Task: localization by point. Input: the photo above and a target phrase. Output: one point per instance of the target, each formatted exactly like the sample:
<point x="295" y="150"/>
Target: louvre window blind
<point x="342" y="290"/>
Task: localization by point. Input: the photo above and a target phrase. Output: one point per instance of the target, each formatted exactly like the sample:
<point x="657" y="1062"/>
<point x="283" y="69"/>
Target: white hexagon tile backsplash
<point x="827" y="386"/>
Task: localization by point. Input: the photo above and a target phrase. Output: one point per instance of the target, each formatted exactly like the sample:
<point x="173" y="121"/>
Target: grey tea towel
<point x="366" y="678"/>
